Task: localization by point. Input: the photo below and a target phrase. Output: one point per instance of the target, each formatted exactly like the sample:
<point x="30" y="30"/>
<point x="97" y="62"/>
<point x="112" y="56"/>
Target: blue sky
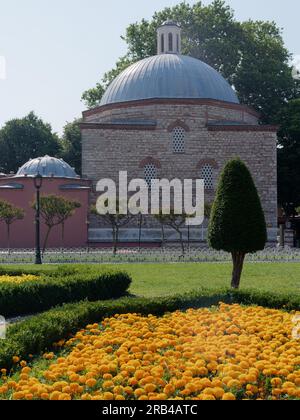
<point x="56" y="49"/>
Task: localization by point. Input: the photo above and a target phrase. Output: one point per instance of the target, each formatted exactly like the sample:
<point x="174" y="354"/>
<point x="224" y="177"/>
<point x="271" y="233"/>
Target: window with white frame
<point x="150" y="172"/>
<point x="178" y="140"/>
<point x="207" y="174"/>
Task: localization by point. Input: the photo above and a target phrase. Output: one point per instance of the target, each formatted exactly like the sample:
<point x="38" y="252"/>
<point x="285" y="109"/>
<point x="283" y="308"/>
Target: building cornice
<point x="129" y="127"/>
<point x="170" y="101"/>
<point x="249" y="128"/>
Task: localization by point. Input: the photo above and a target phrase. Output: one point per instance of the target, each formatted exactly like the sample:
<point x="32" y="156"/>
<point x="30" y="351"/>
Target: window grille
<point x="178" y="140"/>
<point x="207" y="176"/>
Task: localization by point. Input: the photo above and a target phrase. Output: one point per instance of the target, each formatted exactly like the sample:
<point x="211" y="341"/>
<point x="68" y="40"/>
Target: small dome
<point x="169" y="76"/>
<point x="47" y="166"/>
<point x="170" y="22"/>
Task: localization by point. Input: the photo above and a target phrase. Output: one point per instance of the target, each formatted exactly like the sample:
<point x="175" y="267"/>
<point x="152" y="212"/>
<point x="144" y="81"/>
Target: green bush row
<point x="38" y="333"/>
<point x="58" y="286"/>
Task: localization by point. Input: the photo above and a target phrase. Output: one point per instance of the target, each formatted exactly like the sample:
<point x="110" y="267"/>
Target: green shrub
<point x="58" y="286"/>
<point x="38" y="333"/>
<point x="237" y="223"/>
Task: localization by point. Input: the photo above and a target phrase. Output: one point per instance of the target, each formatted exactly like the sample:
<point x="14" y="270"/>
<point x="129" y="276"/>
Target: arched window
<point x="177" y="43"/>
<point x="162" y="43"/>
<point x="170" y="41"/>
<point x="207" y="174"/>
<point x="178" y="136"/>
<point x="150" y="172"/>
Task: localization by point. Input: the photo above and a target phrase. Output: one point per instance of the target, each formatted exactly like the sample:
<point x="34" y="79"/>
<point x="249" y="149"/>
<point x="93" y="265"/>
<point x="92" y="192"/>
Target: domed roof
<point x="47" y="167"/>
<point x="169" y="76"/>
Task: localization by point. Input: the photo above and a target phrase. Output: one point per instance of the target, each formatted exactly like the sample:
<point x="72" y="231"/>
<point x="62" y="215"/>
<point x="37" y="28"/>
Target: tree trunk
<point x="162" y="237"/>
<point x="140" y="230"/>
<point x="8" y="238"/>
<point x="181" y="242"/>
<point x="46" y="240"/>
<point x="238" y="259"/>
<point x="116" y="239"/>
<point x="62" y="237"/>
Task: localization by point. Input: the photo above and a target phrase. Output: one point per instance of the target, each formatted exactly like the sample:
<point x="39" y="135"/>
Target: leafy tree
<point x="10" y="214"/>
<point x="237" y="223"/>
<point x="174" y="221"/>
<point x="71" y="144"/>
<point x="115" y="221"/>
<point x="92" y="97"/>
<point x="25" y="138"/>
<point x="289" y="157"/>
<point x="55" y="211"/>
<point x="250" y="55"/>
<point x="207" y="210"/>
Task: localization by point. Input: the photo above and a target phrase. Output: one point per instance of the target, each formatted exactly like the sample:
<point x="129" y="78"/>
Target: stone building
<point x="173" y="116"/>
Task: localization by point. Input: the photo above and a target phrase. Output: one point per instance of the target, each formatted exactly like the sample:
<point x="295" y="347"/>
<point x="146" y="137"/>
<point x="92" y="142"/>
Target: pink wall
<point x="23" y="232"/>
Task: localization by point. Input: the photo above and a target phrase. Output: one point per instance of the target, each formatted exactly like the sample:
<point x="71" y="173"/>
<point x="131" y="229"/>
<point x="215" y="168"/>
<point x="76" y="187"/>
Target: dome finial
<point x="169" y="38"/>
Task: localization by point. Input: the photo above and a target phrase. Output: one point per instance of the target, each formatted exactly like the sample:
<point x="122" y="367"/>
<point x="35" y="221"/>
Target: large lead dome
<point x="169" y="76"/>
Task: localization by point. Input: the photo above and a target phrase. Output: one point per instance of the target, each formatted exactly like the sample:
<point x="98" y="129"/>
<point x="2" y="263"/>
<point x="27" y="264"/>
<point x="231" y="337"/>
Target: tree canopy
<point x="71" y="145"/>
<point x="237" y="223"/>
<point x="9" y="214"/>
<point x="24" y="138"/>
<point x="56" y="210"/>
<point x="289" y="156"/>
<point x="250" y="55"/>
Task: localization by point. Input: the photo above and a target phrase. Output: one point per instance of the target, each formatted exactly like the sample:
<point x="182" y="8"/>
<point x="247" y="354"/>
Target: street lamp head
<point x="38" y="181"/>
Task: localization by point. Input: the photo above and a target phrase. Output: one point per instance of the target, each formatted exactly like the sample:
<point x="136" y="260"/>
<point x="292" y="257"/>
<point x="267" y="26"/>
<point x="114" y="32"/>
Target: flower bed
<point x="231" y="352"/>
<point x="18" y="279"/>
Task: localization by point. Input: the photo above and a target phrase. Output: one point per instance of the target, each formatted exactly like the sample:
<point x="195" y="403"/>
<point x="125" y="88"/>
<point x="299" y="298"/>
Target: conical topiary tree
<point x="237" y="224"/>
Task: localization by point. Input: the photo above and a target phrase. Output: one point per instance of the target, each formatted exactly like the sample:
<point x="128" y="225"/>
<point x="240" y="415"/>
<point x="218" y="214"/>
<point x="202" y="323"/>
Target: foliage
<point x="71" y="145"/>
<point x="250" y="55"/>
<point x="59" y="286"/>
<point x="24" y="139"/>
<point x="38" y="333"/>
<point x="237" y="223"/>
<point x="289" y="156"/>
<point x="174" y="221"/>
<point x="207" y="210"/>
<point x="55" y="211"/>
<point x="18" y="279"/>
<point x="115" y="221"/>
<point x="10" y="214"/>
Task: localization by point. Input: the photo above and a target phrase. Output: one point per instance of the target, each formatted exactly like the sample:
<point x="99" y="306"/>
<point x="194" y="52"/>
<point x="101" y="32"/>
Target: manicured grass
<point x="169" y="279"/>
<point x="151" y="280"/>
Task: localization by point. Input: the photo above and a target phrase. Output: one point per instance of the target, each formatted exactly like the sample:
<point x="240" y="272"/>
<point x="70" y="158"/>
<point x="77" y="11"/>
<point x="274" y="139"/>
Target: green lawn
<point x="167" y="279"/>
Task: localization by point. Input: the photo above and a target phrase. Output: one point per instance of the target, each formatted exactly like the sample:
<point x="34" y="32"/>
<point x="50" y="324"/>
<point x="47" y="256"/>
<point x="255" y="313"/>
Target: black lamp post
<point x="38" y="181"/>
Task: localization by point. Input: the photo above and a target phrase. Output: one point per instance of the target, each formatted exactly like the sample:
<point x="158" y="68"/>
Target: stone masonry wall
<point x="107" y="151"/>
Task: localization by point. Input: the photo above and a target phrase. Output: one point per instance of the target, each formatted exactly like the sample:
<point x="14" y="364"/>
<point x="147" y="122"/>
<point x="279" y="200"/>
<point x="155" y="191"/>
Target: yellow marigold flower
<point x="275" y="382"/>
<point x="218" y="392"/>
<point x="108" y="396"/>
<point x="228" y="397"/>
<point x="206" y="397"/>
<point x="91" y="383"/>
<point x="120" y="398"/>
<point x="150" y="388"/>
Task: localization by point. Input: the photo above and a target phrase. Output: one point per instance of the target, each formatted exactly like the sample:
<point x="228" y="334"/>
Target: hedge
<point x="58" y="286"/>
<point x="38" y="333"/>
